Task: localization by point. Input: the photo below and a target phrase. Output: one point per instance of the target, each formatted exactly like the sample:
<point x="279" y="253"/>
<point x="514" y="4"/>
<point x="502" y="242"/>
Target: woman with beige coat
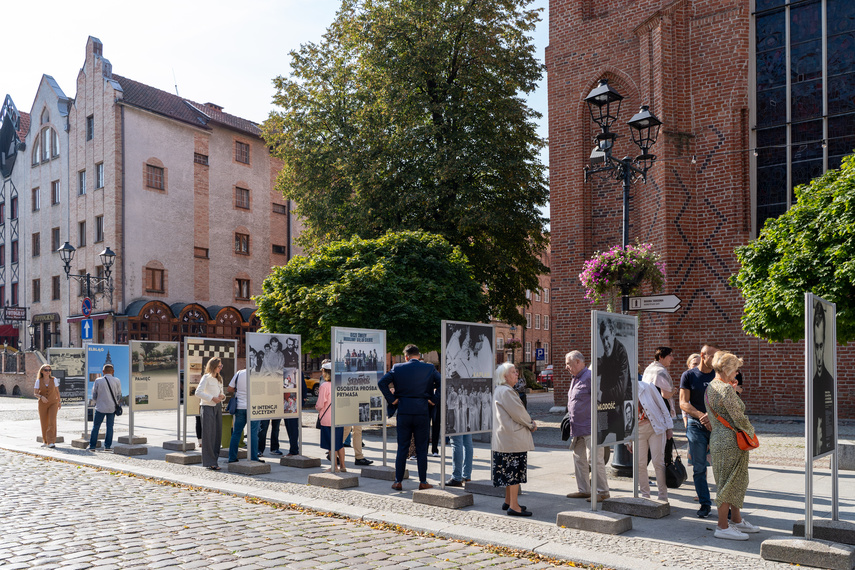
<point x="512" y="427"/>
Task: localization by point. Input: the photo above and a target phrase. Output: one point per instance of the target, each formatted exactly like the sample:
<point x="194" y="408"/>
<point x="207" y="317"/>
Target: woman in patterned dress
<point x="730" y="464"/>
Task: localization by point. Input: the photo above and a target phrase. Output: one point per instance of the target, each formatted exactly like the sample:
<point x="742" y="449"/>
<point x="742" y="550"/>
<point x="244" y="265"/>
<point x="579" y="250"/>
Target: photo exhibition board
<point x="821" y="375"/>
<point x="197" y="353"/>
<point x="360" y="361"/>
<point x="69" y="366"/>
<point x="468" y="364"/>
<point x="614" y="377"/>
<point x="154" y="375"/>
<point x="99" y="355"/>
<point x="273" y="376"/>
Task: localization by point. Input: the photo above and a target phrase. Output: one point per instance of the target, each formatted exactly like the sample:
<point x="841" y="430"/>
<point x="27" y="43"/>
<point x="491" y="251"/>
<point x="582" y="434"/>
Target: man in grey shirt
<point x="105" y="397"/>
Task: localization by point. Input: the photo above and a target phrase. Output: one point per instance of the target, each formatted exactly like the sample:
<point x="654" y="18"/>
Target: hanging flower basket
<point x="611" y="274"/>
<point x="513" y="344"/>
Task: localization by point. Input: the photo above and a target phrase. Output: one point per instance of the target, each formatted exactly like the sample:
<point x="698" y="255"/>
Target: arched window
<point x="45" y="116"/>
<point x="16" y="391"/>
<point x="155" y="322"/>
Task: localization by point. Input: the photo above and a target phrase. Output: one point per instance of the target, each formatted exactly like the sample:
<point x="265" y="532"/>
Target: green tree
<point x="810" y="248"/>
<point x="408" y="115"/>
<point x="404" y="283"/>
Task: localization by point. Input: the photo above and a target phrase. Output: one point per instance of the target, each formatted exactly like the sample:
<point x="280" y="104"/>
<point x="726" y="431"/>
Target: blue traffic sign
<point x="86" y="329"/>
<point x="86" y="306"/>
<point x="540" y="354"/>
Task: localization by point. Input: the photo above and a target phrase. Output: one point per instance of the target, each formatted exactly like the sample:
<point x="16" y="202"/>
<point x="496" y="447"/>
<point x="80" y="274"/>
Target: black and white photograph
<point x="468" y="350"/>
<point x="269" y="377"/>
<point x="820" y="337"/>
<point x="376" y="416"/>
<point x="69" y="365"/>
<point x="364" y="416"/>
<point x="376" y="401"/>
<point x="358" y="363"/>
<point x="615" y="339"/>
<point x="468" y="364"/>
<point x="468" y="405"/>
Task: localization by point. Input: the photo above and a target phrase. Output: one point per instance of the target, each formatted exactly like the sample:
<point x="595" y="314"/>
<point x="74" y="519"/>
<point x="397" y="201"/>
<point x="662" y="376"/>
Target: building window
<point x="2" y="215"/>
<point x="2" y="255"/>
<point x="242" y="244"/>
<point x="280" y="209"/>
<point x="14" y="293"/>
<point x="13" y="208"/>
<point x="154" y="280"/>
<point x="37" y="151"/>
<point x="54" y="192"/>
<point x="99" y="229"/>
<point x="279" y="249"/>
<point x="54" y="239"/>
<point x="81" y="289"/>
<point x="99" y="175"/>
<point x="242" y="289"/>
<point x="500" y="343"/>
<point x="54" y="144"/>
<point x="241" y="198"/>
<point x="99" y="272"/>
<point x="81" y="234"/>
<point x="81" y="183"/>
<point x="528" y="293"/>
<point x="13" y="248"/>
<point x="546" y="351"/>
<point x="537" y="296"/>
<point x="154" y="177"/>
<point x="528" y="351"/>
<point x="37" y="244"/>
<point x="528" y="320"/>
<point x="200" y="252"/>
<point x="200" y="158"/>
<point x="90" y="127"/>
<point x="35" y="199"/>
<point x="537" y="322"/>
<point x="46" y="144"/>
<point x="37" y="290"/>
<point x="546" y="295"/>
<point x="242" y="152"/>
<point x="55" y="287"/>
<point x="546" y="322"/>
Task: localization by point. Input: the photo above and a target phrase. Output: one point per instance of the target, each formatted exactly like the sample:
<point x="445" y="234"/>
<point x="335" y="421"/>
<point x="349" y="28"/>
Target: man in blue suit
<point x="416" y="392"/>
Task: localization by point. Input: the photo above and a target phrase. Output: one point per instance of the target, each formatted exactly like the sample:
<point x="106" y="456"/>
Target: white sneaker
<point x="730" y="533"/>
<point x="745" y="527"/>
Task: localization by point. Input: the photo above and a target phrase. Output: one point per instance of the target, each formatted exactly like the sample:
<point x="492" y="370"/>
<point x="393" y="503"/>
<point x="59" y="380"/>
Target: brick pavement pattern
<point x="59" y="515"/>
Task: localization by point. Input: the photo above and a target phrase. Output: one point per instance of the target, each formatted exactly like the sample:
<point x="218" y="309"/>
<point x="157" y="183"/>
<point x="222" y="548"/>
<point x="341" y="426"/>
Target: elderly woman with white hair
<point x="512" y="427"/>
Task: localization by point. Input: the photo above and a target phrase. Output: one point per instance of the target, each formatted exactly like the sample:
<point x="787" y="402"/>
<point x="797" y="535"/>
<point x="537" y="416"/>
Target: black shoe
<point x="363" y="461"/>
<point x="704" y="511"/>
<point x="522" y="513"/>
<point x="454" y="483"/>
<point x="506" y="506"/>
<point x="277" y="452"/>
<point x="233" y="460"/>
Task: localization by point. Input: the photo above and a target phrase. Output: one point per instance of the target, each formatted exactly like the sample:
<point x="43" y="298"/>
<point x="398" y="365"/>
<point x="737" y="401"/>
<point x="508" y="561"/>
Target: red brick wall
<point x="689" y="60"/>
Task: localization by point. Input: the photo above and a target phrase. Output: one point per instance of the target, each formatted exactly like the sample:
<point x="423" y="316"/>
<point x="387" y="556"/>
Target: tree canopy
<point x="810" y="248"/>
<point x="405" y="283"/>
<point x="408" y="115"/>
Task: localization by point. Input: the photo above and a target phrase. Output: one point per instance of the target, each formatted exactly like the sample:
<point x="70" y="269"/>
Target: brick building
<point x="182" y="192"/>
<point x="756" y="97"/>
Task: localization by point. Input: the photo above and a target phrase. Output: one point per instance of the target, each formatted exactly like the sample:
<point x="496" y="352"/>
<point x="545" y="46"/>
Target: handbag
<point x="231" y="407"/>
<point x="743" y="440"/>
<point x="675" y="473"/>
<point x="119" y="410"/>
<point x="318" y="421"/>
<point x="565" y="427"/>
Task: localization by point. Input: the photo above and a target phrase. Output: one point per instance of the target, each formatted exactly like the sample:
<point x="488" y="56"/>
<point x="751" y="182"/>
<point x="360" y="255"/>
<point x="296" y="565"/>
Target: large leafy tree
<point x="408" y="115"/>
<point x="403" y="282"/>
<point x="810" y="248"/>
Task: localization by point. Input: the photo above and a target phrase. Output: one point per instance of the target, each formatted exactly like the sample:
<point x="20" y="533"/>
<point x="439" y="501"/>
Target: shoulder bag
<point x="565" y="427"/>
<point x="318" y="422"/>
<point x="743" y="440"/>
<point x="118" y="411"/>
<point x="231" y="407"/>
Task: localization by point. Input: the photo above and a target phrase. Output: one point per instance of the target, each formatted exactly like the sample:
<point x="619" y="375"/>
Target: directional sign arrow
<point x="86" y="328"/>
<point x="657" y="303"/>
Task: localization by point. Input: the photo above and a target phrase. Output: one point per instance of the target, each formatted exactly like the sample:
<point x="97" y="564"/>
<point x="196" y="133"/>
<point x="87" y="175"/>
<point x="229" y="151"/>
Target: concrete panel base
<point x="484" y="488"/>
<point x="334" y="480"/>
<point x="823" y="529"/>
<point x="83" y="443"/>
<point x="178" y="445"/>
<point x="101" y="435"/>
<point x="637" y="507"/>
<point x="125" y="449"/>
<point x="136" y="440"/>
<point x="241" y="453"/>
<point x="300" y="461"/>
<point x="59" y="439"/>
<point x="249" y="467"/>
<point x="380" y="472"/>
<point x="444" y="498"/>
<point x="846" y="456"/>
<point x="603" y="522"/>
<point x="816" y="553"/>
<point x="184" y="458"/>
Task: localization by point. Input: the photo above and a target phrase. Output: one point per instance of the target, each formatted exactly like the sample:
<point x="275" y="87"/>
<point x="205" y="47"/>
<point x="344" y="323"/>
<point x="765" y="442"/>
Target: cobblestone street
<point x="59" y="515"/>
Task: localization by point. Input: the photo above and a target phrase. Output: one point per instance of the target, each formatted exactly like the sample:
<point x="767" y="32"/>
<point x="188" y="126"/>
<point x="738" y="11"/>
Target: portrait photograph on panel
<point x="468" y="364"/>
<point x="615" y="368"/>
<point x="273" y="362"/>
<point x="820" y="339"/>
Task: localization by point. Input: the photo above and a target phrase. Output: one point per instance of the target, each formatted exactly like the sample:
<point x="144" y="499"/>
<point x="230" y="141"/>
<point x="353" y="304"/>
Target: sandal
<point x="214" y="468"/>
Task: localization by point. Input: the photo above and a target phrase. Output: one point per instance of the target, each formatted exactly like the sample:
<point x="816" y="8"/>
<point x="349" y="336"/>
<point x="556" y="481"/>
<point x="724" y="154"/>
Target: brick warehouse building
<point x="756" y="97"/>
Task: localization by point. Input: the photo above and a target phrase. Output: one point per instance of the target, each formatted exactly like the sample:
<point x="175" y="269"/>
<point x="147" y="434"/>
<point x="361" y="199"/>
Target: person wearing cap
<point x="416" y="392"/>
<point x="323" y="406"/>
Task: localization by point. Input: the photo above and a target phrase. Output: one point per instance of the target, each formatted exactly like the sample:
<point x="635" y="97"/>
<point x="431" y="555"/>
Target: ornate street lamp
<point x="31" y="328"/>
<point x="66" y="253"/>
<point x="604" y="104"/>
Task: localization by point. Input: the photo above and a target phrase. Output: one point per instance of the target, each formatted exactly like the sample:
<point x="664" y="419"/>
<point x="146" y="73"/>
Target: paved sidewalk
<point x="774" y="501"/>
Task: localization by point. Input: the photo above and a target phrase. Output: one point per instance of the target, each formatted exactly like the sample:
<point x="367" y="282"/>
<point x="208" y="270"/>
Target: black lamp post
<point x="31" y="328"/>
<point x="66" y="252"/>
<point x="604" y="104"/>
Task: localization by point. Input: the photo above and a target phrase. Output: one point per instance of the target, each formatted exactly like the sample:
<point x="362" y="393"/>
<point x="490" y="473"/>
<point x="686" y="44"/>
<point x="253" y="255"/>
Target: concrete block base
<point x="816" y="553"/>
<point x="178" y="445"/>
<point x="184" y="458"/>
<point x="334" y="480"/>
<point x="224" y="452"/>
<point x="300" y="461"/>
<point x="135" y="440"/>
<point x="823" y="529"/>
<point x="444" y="498"/>
<point x="380" y="472"/>
<point x="846" y="456"/>
<point x="59" y="439"/>
<point x="83" y="443"/>
<point x="484" y="488"/>
<point x="603" y="522"/>
<point x="637" y="507"/>
<point x="249" y="467"/>
<point x="125" y="449"/>
<point x="85" y="435"/>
